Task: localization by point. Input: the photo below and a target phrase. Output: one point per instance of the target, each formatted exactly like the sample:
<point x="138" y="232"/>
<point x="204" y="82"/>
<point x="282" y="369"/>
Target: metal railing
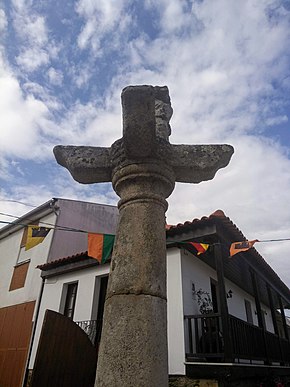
<point x="93" y="328"/>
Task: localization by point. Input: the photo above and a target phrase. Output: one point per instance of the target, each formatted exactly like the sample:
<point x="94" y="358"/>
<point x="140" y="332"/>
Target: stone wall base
<point x="183" y="381"/>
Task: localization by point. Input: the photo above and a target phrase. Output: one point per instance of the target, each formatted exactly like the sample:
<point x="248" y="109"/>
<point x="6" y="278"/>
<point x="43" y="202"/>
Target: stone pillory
<point x="143" y="167"/>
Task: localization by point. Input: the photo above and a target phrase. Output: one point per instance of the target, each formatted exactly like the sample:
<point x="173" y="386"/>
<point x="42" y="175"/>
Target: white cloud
<point x="4" y="169"/>
<point x="3" y="20"/>
<point x="31" y="27"/>
<point x="102" y="17"/>
<point x="55" y="76"/>
<point x="223" y="75"/>
<point x="174" y="14"/>
<point x="81" y="76"/>
<point x="22" y="119"/>
<point x="36" y="48"/>
<point x="271" y="121"/>
<point x="32" y="58"/>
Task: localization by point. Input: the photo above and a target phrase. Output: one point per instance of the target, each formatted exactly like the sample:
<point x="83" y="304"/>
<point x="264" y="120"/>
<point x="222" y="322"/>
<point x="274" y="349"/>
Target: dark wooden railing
<point x="204" y="336"/>
<point x="93" y="329"/>
<point x="204" y="341"/>
<point x="247" y="340"/>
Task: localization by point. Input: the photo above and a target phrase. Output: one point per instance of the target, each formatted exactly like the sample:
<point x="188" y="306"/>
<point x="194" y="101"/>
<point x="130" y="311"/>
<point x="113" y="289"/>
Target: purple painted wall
<point x="86" y="216"/>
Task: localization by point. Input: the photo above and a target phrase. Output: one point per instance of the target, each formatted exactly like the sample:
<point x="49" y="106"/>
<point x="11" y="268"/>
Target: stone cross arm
<point x="87" y="164"/>
<point x="190" y="163"/>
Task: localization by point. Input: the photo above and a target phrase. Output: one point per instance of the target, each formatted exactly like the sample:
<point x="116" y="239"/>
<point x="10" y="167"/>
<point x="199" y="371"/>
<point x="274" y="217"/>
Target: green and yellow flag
<point x="35" y="235"/>
<point x="100" y="246"/>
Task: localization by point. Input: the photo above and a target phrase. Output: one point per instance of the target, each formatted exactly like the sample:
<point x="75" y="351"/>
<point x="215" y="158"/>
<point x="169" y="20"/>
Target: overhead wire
<point x="17" y="201"/>
<point x="55" y="227"/>
<point x="66" y="228"/>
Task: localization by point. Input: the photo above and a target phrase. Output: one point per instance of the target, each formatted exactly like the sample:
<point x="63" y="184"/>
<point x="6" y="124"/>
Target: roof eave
<point x="43" y="210"/>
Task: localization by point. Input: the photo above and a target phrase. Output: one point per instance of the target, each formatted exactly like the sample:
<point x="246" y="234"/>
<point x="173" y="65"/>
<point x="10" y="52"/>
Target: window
<point x="101" y="284"/>
<point x="70" y="299"/>
<point x="249" y="313"/>
<point x="19" y="276"/>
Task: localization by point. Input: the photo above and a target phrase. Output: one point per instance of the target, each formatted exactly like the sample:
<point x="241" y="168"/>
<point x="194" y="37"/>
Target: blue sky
<point x="226" y="63"/>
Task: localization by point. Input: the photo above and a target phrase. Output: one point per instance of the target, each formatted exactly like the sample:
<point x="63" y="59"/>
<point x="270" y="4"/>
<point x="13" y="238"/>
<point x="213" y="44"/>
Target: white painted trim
<point x="175" y="313"/>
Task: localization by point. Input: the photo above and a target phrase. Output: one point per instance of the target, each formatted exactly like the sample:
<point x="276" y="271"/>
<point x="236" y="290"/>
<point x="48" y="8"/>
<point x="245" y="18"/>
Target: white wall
<point x="84" y="300"/>
<point x="183" y="269"/>
<point x="83" y="308"/>
<point x="199" y="273"/>
<point x="236" y="306"/>
<point x="175" y="313"/>
<point x="9" y="253"/>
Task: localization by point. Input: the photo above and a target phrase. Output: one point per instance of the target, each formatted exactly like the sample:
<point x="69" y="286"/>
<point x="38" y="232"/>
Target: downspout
<point x="33" y="333"/>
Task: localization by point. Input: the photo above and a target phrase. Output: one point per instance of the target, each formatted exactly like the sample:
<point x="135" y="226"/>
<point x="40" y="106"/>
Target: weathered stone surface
<point x="190" y="163"/>
<point x="143" y="167"/>
<point x="163" y="112"/>
<point x="138" y="103"/>
<point x="196" y="163"/>
<point x="87" y="164"/>
<point x="137" y="284"/>
<point x="138" y="264"/>
<point x="133" y="323"/>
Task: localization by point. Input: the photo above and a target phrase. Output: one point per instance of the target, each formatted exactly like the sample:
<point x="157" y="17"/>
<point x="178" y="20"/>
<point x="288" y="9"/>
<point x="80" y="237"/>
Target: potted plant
<point x="204" y="301"/>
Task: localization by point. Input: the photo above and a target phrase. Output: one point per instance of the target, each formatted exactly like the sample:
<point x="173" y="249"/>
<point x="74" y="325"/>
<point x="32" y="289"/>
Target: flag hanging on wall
<point x="199" y="247"/>
<point x="237" y="247"/>
<point x="35" y="235"/>
<point x="100" y="246"/>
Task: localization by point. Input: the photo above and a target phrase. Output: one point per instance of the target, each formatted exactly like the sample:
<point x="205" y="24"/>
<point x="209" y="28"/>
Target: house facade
<point x="243" y="333"/>
<point x="21" y="285"/>
<point x="226" y="315"/>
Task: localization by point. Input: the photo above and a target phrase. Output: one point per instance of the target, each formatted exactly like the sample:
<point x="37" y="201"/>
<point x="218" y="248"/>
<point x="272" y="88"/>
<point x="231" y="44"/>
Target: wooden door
<point x="65" y="355"/>
<point x="15" y="332"/>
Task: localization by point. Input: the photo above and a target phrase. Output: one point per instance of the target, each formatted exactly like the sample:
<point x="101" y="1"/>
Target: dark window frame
<point x="70" y="299"/>
<point x="249" y="312"/>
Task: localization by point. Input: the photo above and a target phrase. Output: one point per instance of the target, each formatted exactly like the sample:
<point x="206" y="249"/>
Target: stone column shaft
<point x="135" y="319"/>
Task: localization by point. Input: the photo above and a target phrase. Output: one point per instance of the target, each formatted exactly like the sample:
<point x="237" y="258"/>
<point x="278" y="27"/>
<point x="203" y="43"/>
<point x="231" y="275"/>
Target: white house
<point x="20" y="282"/>
<point x="225" y="315"/>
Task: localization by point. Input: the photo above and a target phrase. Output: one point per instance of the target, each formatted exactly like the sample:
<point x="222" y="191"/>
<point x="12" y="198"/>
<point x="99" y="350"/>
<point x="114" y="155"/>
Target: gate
<point x="65" y="355"/>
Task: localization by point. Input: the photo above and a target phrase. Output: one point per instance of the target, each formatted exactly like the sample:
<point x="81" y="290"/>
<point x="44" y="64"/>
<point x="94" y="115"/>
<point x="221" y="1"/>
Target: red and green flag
<point x="100" y="246"/>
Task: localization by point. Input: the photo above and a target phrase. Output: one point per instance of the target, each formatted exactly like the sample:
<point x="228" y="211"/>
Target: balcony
<point x="93" y="328"/>
<point x="247" y="343"/>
